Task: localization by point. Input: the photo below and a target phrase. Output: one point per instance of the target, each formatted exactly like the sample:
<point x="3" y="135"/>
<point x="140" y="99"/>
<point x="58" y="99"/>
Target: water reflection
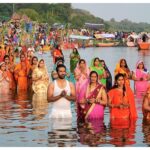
<point x="61" y="133"/>
<point x="40" y="105"/>
<point x="146" y="131"/>
<point x="24" y="119"/>
<point x="122" y="132"/>
<point x="92" y="133"/>
<point x="23" y="103"/>
<point x="6" y="104"/>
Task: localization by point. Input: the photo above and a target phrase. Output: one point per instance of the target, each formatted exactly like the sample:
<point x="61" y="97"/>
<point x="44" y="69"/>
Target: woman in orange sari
<point x="21" y="73"/>
<point x="121" y="100"/>
<point x="123" y="68"/>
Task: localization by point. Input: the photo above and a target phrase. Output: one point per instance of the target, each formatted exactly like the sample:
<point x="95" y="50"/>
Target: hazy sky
<point x="134" y="12"/>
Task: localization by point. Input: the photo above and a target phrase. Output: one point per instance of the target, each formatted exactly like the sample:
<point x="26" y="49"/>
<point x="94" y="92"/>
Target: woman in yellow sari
<point x="123" y="68"/>
<point x="34" y="64"/>
<point x="40" y="78"/>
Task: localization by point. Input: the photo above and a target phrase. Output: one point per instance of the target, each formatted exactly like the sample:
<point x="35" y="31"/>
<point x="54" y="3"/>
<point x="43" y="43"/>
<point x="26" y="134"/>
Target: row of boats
<point x="142" y="41"/>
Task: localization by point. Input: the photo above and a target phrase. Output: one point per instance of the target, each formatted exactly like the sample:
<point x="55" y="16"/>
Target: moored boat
<point x="132" y="40"/>
<point x="144" y="46"/>
<point x="105" y="44"/>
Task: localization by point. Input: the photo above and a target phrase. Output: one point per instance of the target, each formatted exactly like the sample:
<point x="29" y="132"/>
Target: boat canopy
<point x="104" y="35"/>
<point x="80" y="37"/>
<point x="133" y="36"/>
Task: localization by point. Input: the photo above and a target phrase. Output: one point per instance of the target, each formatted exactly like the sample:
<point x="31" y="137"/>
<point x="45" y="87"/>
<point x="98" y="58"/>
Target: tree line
<point x="64" y="13"/>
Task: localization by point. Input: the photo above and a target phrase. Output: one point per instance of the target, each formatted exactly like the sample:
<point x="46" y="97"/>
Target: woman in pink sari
<point x="4" y="79"/>
<point x="141" y="77"/>
<point x="95" y="99"/>
<point x="81" y="76"/>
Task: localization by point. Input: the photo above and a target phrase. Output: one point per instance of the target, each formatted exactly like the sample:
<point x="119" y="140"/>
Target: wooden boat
<point x="144" y="43"/>
<point x="105" y="44"/>
<point x="144" y="46"/>
<point x="130" y="44"/>
<point x="111" y="44"/>
<point x="132" y="40"/>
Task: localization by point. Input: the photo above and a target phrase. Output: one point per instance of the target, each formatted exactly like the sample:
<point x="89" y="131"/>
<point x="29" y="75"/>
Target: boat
<point x="144" y="43"/>
<point x="105" y="40"/>
<point x="144" y="46"/>
<point x="105" y="44"/>
<point x="132" y="40"/>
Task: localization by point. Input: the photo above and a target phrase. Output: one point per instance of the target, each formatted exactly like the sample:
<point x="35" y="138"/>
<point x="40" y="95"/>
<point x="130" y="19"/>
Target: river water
<point x="24" y="118"/>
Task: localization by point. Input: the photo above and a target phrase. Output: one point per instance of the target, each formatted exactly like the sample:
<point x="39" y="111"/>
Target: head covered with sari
<point x="75" y="51"/>
<point x="118" y="66"/>
<point x="86" y="68"/>
<point x="138" y="63"/>
<point x="93" y="62"/>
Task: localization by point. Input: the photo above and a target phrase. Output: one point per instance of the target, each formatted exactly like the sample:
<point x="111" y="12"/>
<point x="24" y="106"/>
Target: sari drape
<point x="126" y="72"/>
<point x="94" y="111"/>
<point x="74" y="58"/>
<point x="141" y="86"/>
<point x="116" y="99"/>
<point x="21" y="75"/>
<point x="99" y="70"/>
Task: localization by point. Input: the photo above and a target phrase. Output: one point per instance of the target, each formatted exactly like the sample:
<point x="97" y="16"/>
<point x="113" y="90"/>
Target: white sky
<point x="136" y="12"/>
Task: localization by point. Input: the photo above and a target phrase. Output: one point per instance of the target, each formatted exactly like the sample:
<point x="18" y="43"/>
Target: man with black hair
<point x="61" y="92"/>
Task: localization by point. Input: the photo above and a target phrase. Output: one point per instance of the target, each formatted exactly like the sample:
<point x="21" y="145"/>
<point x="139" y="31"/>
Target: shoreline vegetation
<point x="63" y="13"/>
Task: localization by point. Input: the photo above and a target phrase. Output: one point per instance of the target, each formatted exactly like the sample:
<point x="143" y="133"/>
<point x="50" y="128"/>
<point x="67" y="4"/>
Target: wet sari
<point x="122" y="132"/>
<point x="100" y="70"/>
<point x="74" y="58"/>
<point x="94" y="110"/>
<point x="10" y="69"/>
<point x="21" y="75"/>
<point x="40" y="85"/>
<point x="82" y="82"/>
<point x="146" y="99"/>
<point x="117" y="98"/>
<point x="4" y="84"/>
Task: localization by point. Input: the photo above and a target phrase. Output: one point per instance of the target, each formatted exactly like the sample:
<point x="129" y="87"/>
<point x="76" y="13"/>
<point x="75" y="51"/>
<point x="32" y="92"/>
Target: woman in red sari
<point x="121" y="100"/>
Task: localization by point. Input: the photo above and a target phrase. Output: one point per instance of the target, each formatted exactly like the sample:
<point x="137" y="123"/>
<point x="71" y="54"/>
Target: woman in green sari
<point x="96" y="66"/>
<point x="74" y="58"/>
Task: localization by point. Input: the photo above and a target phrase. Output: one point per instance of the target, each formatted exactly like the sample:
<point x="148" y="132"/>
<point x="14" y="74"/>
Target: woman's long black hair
<point x="116" y="85"/>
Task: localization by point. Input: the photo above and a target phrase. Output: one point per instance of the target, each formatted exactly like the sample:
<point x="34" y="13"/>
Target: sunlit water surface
<point x="24" y="118"/>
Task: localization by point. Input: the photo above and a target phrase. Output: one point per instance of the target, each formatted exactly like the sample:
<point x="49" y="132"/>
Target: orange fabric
<point x="2" y="54"/>
<point x="12" y="80"/>
<point x="56" y="54"/>
<point x="116" y="98"/>
<point x="122" y="132"/>
<point x="21" y="75"/>
<point x="118" y="69"/>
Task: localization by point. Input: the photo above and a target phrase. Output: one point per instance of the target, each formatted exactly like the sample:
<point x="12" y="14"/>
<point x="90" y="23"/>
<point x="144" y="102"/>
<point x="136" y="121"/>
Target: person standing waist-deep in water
<point x="61" y="92"/>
